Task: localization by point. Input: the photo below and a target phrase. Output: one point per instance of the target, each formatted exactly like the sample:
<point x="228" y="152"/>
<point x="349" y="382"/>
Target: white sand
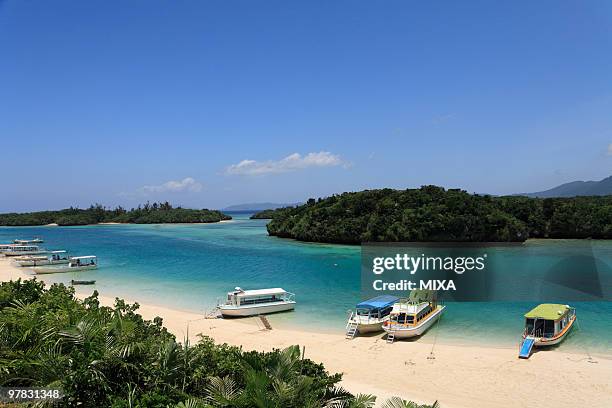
<point x="460" y="377"/>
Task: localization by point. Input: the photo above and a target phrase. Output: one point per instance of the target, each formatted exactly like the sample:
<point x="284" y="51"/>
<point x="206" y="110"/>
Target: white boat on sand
<point x="52" y="258"/>
<point x="413" y="316"/>
<point x="75" y="264"/>
<point x="242" y="303"/>
<point x="369" y="315"/>
<point x="28" y="241"/>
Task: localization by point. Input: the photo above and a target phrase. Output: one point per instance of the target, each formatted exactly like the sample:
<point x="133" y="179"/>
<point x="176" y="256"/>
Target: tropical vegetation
<point x="111" y="357"/>
<point x="263" y="215"/>
<point x="432" y="213"/>
<point x="156" y="213"/>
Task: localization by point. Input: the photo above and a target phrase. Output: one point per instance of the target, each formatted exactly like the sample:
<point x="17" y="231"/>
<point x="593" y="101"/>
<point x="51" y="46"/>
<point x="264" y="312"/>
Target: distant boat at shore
<point x="546" y="325"/>
<point x="243" y="303"/>
<point x="18" y="250"/>
<point x="369" y="315"/>
<point x="52" y="258"/>
<point x="413" y="316"/>
<point x="28" y="241"/>
<point x="82" y="282"/>
<point x="76" y="264"/>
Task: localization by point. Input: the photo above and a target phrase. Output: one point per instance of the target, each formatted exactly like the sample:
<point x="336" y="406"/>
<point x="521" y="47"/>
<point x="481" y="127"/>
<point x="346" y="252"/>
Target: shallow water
<point x="190" y="266"/>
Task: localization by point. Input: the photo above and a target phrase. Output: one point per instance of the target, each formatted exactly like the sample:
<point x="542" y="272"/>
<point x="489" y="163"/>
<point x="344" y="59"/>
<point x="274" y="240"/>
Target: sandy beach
<point x="456" y="376"/>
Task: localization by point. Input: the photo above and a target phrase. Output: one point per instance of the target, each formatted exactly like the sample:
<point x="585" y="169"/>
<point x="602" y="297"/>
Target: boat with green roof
<point x="546" y="325"/>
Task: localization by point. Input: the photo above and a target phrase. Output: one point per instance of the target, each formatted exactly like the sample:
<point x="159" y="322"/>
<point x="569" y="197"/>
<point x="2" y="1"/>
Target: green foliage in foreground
<point x="156" y="213"/>
<point x="111" y="357"/>
<point x="432" y="213"/>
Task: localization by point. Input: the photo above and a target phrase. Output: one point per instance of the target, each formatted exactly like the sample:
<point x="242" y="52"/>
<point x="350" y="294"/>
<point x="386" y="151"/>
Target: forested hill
<point x="148" y="214"/>
<point x="434" y="214"/>
<point x="264" y="214"/>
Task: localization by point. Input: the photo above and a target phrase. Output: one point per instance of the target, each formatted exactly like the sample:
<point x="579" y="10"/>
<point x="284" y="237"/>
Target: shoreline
<point x="458" y="376"/>
<point x="53" y="224"/>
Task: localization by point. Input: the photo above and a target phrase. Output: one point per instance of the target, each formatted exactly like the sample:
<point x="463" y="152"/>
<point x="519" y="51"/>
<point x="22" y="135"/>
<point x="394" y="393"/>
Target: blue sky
<point x="212" y="103"/>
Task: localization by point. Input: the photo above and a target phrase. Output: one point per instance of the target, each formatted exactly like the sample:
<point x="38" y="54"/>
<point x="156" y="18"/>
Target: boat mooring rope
<point x="431" y="353"/>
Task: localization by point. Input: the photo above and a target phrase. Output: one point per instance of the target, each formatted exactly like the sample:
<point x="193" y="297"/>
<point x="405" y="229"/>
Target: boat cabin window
<point x="375" y="312"/>
<point x="549" y="328"/>
<point x="540" y="327"/>
<point x="260" y="299"/>
<point x="365" y="312"/>
<point x="423" y="313"/>
<point x="529" y="326"/>
<point x="404" y="318"/>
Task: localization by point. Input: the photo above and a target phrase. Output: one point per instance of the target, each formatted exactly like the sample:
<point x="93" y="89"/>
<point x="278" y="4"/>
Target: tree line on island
<point x="433" y="214"/>
<point x="156" y="213"/>
<point x="111" y="357"/>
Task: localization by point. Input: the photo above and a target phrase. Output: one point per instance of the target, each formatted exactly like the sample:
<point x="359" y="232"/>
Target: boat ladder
<point x="265" y="322"/>
<point x="351" y="330"/>
<point x="390" y="337"/>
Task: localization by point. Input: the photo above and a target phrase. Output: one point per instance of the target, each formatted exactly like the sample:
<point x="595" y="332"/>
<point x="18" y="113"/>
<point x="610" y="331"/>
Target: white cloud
<point x="187" y="184"/>
<point x="610" y="149"/>
<point x="292" y="162"/>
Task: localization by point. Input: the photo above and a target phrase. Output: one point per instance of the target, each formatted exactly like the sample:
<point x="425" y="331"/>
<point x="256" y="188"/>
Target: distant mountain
<point x="577" y="188"/>
<point x="257" y="206"/>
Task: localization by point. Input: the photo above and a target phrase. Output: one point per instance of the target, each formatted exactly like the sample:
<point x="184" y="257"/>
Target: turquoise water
<point x="190" y="266"/>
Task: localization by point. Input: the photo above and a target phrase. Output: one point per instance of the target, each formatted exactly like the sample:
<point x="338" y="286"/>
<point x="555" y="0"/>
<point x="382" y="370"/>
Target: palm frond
<point x="222" y="391"/>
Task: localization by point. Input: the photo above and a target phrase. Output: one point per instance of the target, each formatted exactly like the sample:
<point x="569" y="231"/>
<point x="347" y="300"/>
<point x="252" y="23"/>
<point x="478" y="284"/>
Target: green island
<point x="111" y="357"/>
<point x="433" y="214"/>
<point x="264" y="214"/>
<point x="156" y="213"/>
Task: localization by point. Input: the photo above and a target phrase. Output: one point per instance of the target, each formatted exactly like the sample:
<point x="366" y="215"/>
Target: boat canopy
<point x="547" y="311"/>
<point x="422" y="295"/>
<point x="84" y="257"/>
<point x="378" y="302"/>
<point x="259" y="292"/>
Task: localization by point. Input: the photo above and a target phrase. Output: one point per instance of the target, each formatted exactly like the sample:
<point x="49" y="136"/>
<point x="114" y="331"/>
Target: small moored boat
<point x="82" y="282"/>
<point x="242" y="303"/>
<point x="545" y="325"/>
<point x="5" y="247"/>
<point x="369" y="315"/>
<point x="75" y="264"/>
<point x="19" y="250"/>
<point x="413" y="316"/>
<point x="28" y="241"/>
<point x="52" y="258"/>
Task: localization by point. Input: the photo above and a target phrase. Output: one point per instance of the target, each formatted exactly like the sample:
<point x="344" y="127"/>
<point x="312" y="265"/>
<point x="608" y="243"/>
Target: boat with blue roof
<point x="369" y="315"/>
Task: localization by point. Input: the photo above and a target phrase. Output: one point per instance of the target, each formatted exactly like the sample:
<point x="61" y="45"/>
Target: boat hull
<point x="368" y="325"/>
<point x="59" y="269"/>
<point x="403" y="332"/>
<point x="254" y="310"/>
<point x="21" y="253"/>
